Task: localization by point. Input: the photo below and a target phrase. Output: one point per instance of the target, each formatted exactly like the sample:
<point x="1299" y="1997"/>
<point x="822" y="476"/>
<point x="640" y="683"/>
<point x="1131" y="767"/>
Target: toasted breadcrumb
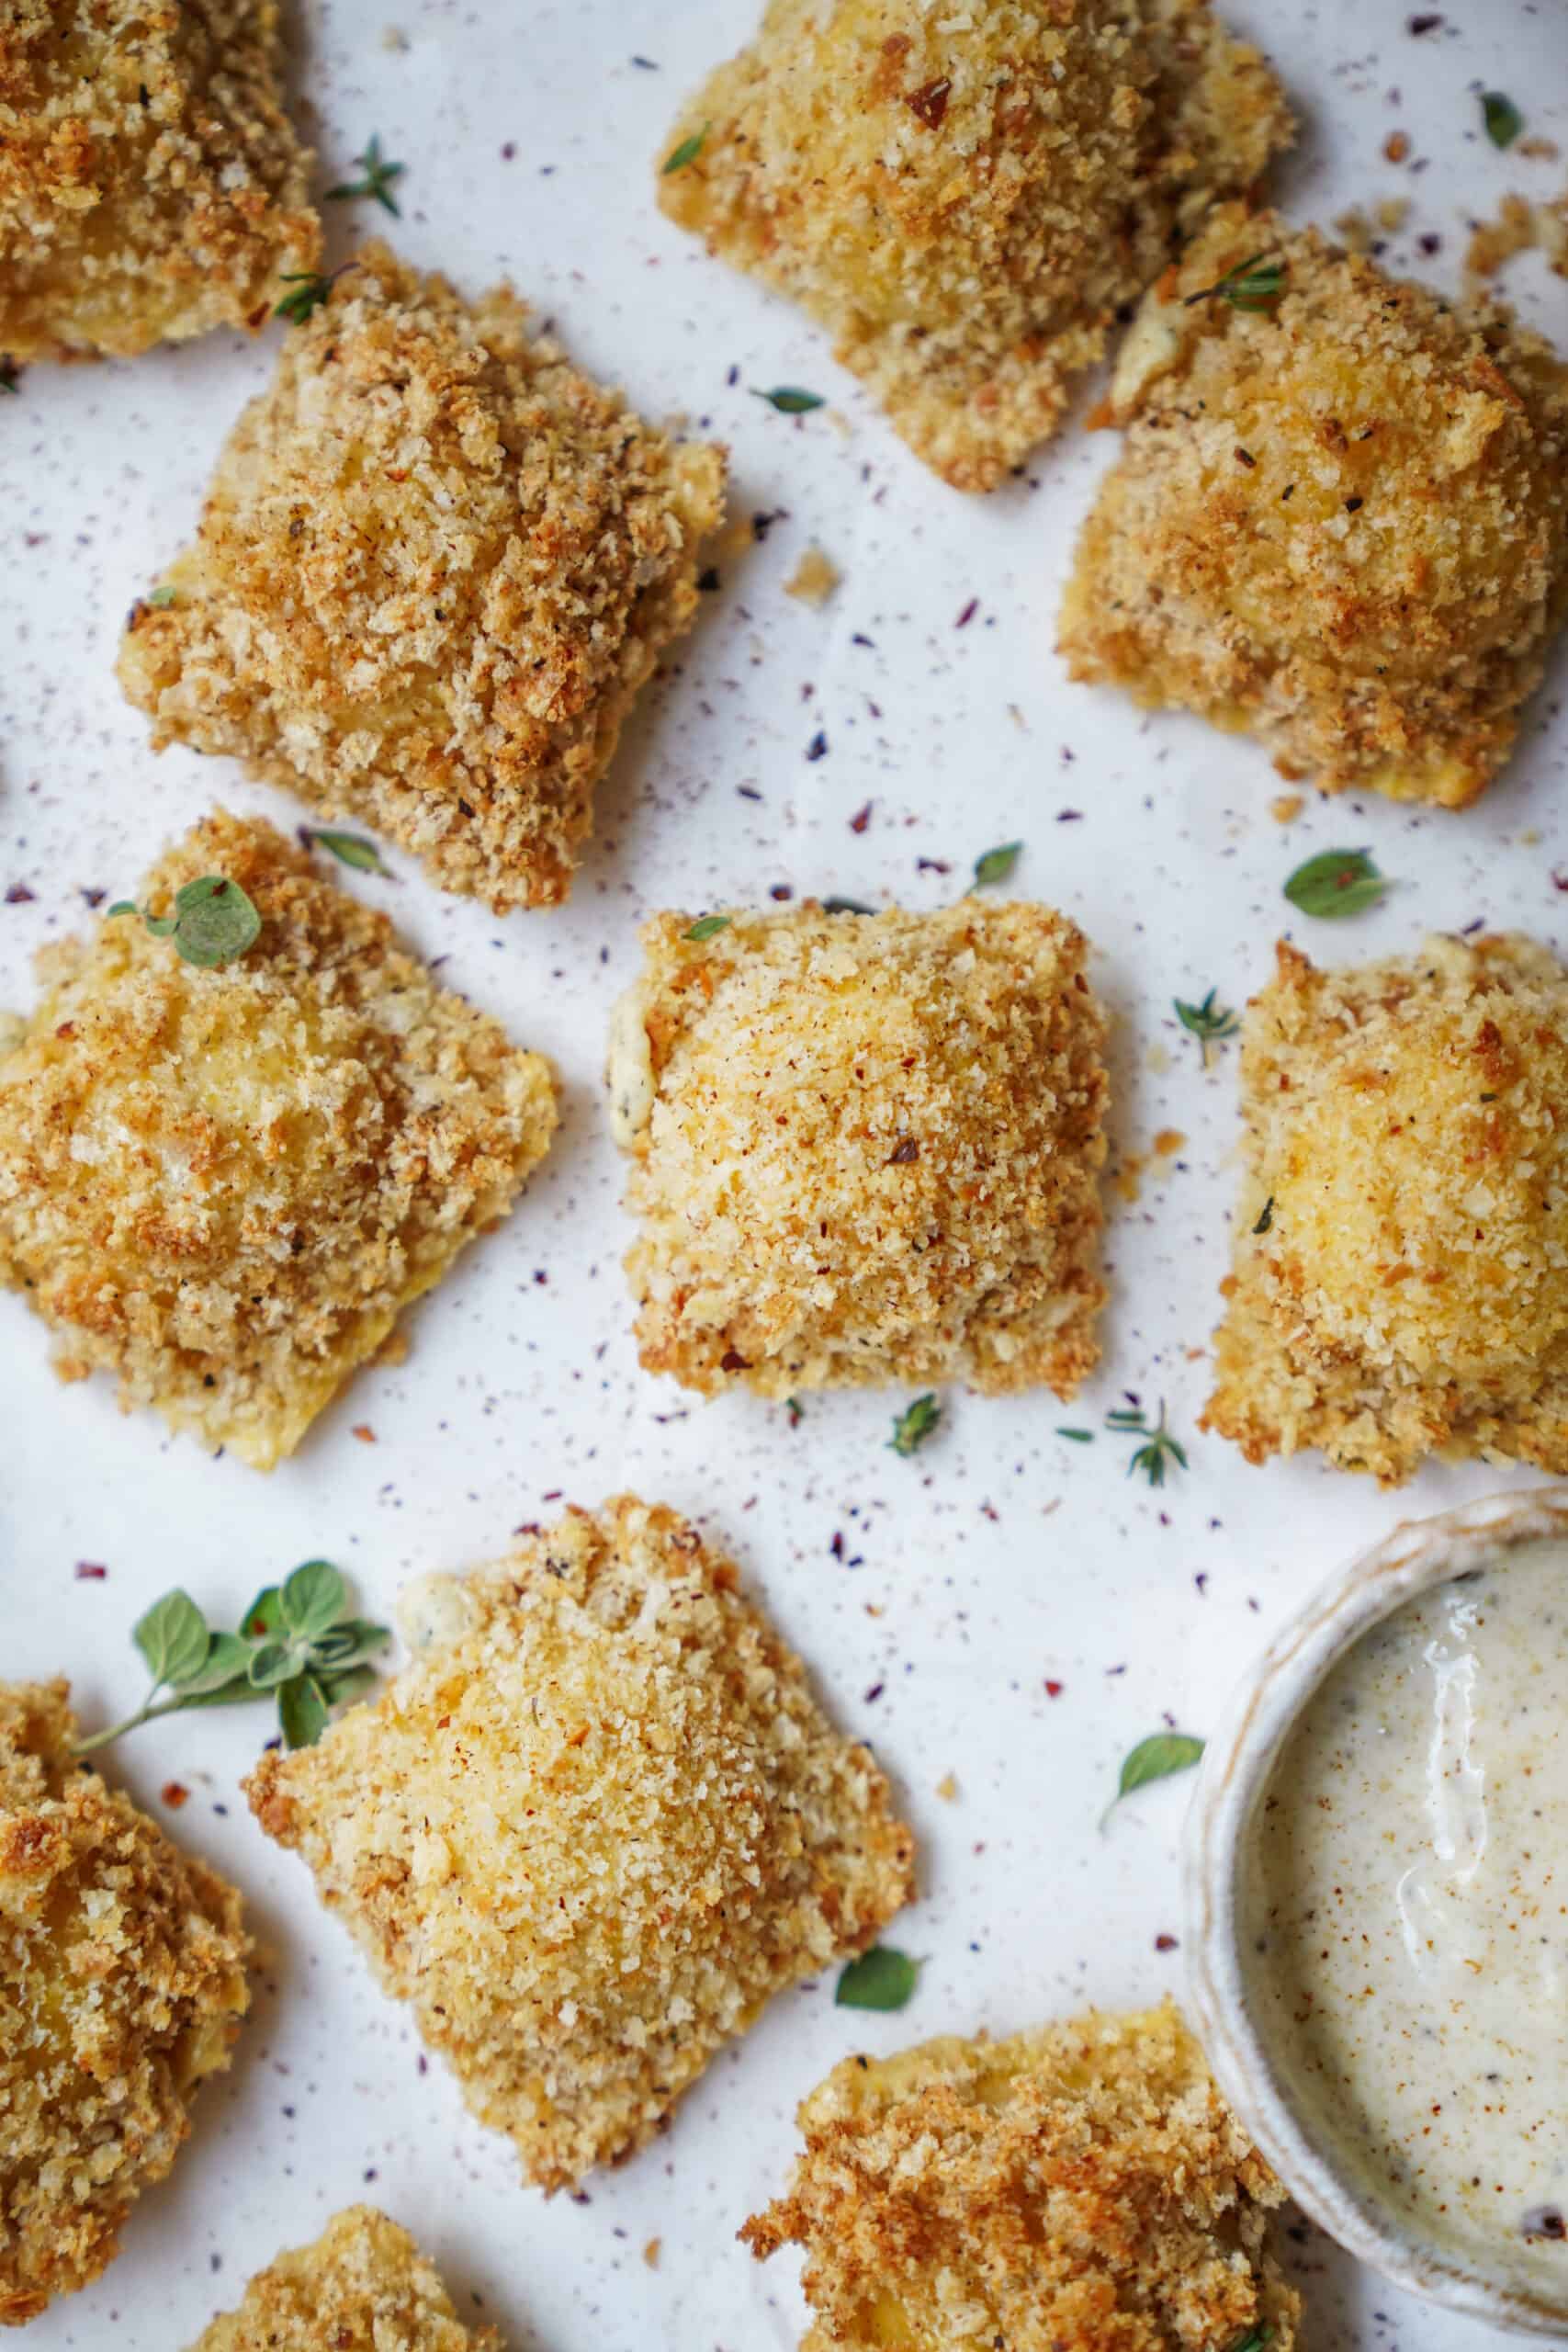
<point x="225" y="1186"/>
<point x="963" y="197"/>
<point x="813" y="579"/>
<point x="865" y="1149"/>
<point x="1339" y="524"/>
<point x="590" y="1829"/>
<point x="1408" y="1121"/>
<point x="363" y="2286"/>
<point x="122" y="1981"/>
<point x="1521" y="226"/>
<point x="151" y="185"/>
<point x="1080" y="2188"/>
<point x="435" y="567"/>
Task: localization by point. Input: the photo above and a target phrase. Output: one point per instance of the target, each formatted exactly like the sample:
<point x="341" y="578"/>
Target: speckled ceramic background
<point x="1007" y="1607"/>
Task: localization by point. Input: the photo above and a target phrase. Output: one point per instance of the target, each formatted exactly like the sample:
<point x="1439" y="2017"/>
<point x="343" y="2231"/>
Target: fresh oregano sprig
<point x="296" y="1641"/>
<point x="214" y="921"/>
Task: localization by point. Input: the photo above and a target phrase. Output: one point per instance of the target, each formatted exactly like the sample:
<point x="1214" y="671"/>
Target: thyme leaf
<point x="377" y="176"/>
<point x="1255" y="284"/>
<point x="687" y="152"/>
<point x="1159" y="1445"/>
<point x="1210" y="1022"/>
<point x="914" y="1424"/>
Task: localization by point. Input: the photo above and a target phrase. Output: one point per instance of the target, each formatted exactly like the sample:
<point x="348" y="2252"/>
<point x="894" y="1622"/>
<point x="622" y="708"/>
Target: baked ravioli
<point x="591" y="1828"/>
<point x="1339" y="519"/>
<point x="1400" y="1275"/>
<point x="122" y="1982"/>
<point x="1066" y="2190"/>
<point x="865" y="1149"/>
<point x="434" y="568"/>
<point x="363" y="2286"/>
<point x="963" y="197"/>
<point x="224" y="1185"/>
<point x="151" y="184"/>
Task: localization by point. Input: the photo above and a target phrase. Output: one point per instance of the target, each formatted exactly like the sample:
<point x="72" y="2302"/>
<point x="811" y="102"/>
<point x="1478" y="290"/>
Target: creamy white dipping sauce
<point x="1406" y="1915"/>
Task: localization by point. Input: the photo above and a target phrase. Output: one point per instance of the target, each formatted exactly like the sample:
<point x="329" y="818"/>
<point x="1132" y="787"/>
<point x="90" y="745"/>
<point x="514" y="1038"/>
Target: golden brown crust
<point x="865" y="1149"/>
<point x="122" y="1981"/>
<point x="593" y="1828"/>
<point x="1080" y="2188"/>
<point x="963" y="197"/>
<point x="225" y="1186"/>
<point x="362" y="2286"/>
<point x="433" y="570"/>
<point x="1408" y="1121"/>
<point x="1340" y="526"/>
<point x="151" y="184"/>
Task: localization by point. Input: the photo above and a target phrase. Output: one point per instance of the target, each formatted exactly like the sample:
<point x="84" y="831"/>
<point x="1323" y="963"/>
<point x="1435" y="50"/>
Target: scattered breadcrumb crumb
<point x="151" y="185"/>
<point x="435" y="567"/>
<point x="652" y="2251"/>
<point x="1392" y="213"/>
<point x="1066" y="2191"/>
<point x="982" y="190"/>
<point x="122" y="1982"/>
<point x="1521" y="226"/>
<point x="591" y="1829"/>
<point x="947" y="1788"/>
<point x="1168" y="1141"/>
<point x="225" y="1186"/>
<point x="865" y="1149"/>
<point x="813" y="579"/>
<point x="1408" y="1122"/>
<point x="1339" y="524"/>
<point x="362" y="2283"/>
<point x="1286" y="807"/>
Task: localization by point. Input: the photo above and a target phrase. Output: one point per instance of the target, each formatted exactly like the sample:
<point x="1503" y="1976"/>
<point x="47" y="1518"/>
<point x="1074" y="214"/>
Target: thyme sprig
<point x="377" y="174"/>
<point x="1255" y="284"/>
<point x="1210" y="1022"/>
<point x="1158" y="1448"/>
<point x="311" y="288"/>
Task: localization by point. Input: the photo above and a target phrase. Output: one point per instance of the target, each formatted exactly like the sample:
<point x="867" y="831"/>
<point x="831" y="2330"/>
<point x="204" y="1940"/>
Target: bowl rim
<point x="1238" y="1761"/>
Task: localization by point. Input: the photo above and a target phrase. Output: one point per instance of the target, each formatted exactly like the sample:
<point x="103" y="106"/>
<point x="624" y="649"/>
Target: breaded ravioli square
<point x="435" y="567"/>
<point x="963" y="197"/>
<point x="1400" y="1285"/>
<point x="122" y="1982"/>
<point x="1071" y="2189"/>
<point x="1339" y="519"/>
<point x="362" y="2286"/>
<point x="151" y="184"/>
<point x="865" y="1149"/>
<point x="224" y="1185"/>
<point x="592" y="1826"/>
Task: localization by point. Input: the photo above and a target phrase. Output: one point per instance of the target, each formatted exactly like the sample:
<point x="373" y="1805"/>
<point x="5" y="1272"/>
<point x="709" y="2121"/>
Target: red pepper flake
<point x="90" y="1572"/>
<point x="174" y="1794"/>
<point x="1396" y="146"/>
<point x="967" y="614"/>
<point x="18" y="895"/>
<point x="364" y="1432"/>
<point x="1558" y="881"/>
<point x="818" y="747"/>
<point x="1165" y="1943"/>
<point x="933" y="865"/>
<point x="837" y="1545"/>
<point x="1054" y="1689"/>
<point x="861" y="818"/>
<point x="733" y="1361"/>
<point x="781" y="890"/>
<point x="929" y="101"/>
<point x="1244" y="458"/>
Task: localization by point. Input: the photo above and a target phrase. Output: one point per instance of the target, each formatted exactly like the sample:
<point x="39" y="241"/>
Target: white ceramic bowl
<point x="1236" y="1767"/>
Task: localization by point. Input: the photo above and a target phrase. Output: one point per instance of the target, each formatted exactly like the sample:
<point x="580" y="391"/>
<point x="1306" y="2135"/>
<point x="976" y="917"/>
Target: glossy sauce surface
<point x="1407" y="1914"/>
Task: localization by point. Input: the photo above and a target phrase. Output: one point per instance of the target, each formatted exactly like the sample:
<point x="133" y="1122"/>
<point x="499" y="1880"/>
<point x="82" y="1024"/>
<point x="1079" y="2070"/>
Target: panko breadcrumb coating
<point x="151" y="184"/>
<point x="122" y="1982"/>
<point x="865" y="1149"/>
<point x="1407" y="1158"/>
<point x="363" y="2286"/>
<point x="435" y="567"/>
<point x="591" y="1829"/>
<point x="1338" y="524"/>
<point x="225" y="1186"/>
<point x="1080" y="2188"/>
<point x="965" y="196"/>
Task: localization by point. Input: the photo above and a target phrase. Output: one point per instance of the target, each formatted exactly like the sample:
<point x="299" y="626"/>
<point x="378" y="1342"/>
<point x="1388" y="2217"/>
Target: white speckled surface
<point x="941" y="1599"/>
